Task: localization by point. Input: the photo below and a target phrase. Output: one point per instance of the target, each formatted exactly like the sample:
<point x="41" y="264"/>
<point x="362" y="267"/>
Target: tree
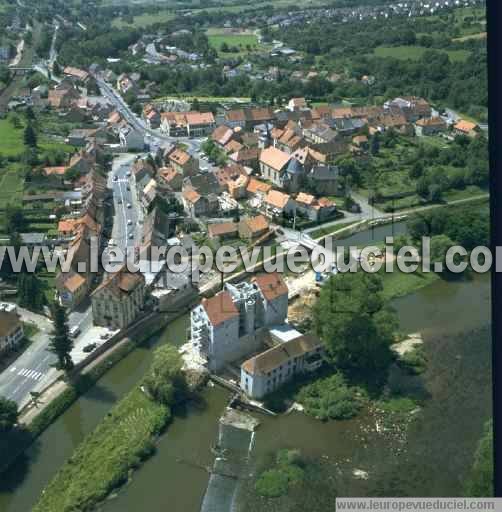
<point x="439" y="247"/>
<point x="354" y="322"/>
<point x="416" y="170"/>
<point x="14" y="219"/>
<point x="30" y="136"/>
<point x="15" y="121"/>
<point x="8" y="414"/>
<point x="375" y="144"/>
<point x="165" y="381"/>
<point x="30" y="291"/>
<point x="196" y="105"/>
<point x="61" y="344"/>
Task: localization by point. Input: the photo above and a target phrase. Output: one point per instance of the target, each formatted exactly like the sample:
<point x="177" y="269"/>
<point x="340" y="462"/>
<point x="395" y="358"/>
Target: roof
<point x="179" y="156"/>
<point x="277" y="199"/>
<point x="298" y="102"/>
<point x="78" y="73"/>
<point x="433" y="121"/>
<point x="275" y="158"/>
<point x="9" y="322"/>
<point x="233" y="146"/>
<point x="305" y="199"/>
<point x="55" y="171"/>
<point x="235" y="115"/>
<point x="465" y="126"/>
<point x="222" y="135"/>
<point x="276" y="356"/>
<point x="271" y="285"/>
<point x="74" y="282"/>
<point x="195" y="118"/>
<point x="256" y="185"/>
<point x="191" y="195"/>
<point x="245" y="155"/>
<point x="121" y="282"/>
<point x="220" y="308"/>
<point x="66" y="225"/>
<point x="222" y="228"/>
<point x="256" y="224"/>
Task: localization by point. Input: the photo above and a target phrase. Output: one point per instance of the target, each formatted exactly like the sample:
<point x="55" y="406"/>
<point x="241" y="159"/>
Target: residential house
<point x="126" y="84"/>
<point x="222" y="135"/>
<point x="466" y="128"/>
<point x="78" y="74"/>
<point x="62" y="98"/>
<point x="204" y="184"/>
<point x="278" y="203"/>
<point x="72" y="288"/>
<point x="183" y="162"/>
<point x="258" y="189"/>
<point x="325" y="180"/>
<point x="273" y="164"/>
<point x="200" y="124"/>
<point x="198" y="205"/>
<point x="319" y="133"/>
<point x="11" y="330"/>
<point x="119" y="300"/>
<point x="252" y="228"/>
<point x="269" y="370"/>
<point x="246" y="157"/>
<point x="315" y="209"/>
<point x="169" y="179"/>
<point x="296" y="104"/>
<point x="412" y="107"/>
<point x="222" y="230"/>
<point x="237" y="187"/>
<point x="151" y="116"/>
<point x="430" y="126"/>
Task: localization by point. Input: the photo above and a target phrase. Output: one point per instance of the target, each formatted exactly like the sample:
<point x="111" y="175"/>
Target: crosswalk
<point x="28" y="373"/>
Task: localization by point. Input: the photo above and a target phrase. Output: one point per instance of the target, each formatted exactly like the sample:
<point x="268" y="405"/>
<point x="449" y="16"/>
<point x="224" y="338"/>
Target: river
<point x="433" y="459"/>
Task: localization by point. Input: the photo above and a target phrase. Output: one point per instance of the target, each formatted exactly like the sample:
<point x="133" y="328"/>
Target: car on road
<point x="89" y="348"/>
<point x="105" y="336"/>
<point x="119" y="201"/>
<point x="128" y="174"/>
<point x="129" y="205"/>
<point x="74" y="331"/>
<point x="131" y="236"/>
<point x="129" y="222"/>
<point x="115" y="178"/>
<point x="128" y="187"/>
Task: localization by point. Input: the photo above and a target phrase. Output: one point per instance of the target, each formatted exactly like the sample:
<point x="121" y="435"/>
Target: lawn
<point x="240" y="41"/>
<point x="11" y="139"/>
<point x="11" y="186"/>
<point x="416" y="52"/>
<point x="318" y="233"/>
<point x="145" y="20"/>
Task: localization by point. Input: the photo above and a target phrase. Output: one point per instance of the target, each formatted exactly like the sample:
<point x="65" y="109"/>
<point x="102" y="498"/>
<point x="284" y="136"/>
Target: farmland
<point x="145" y="20"/>
<point x="416" y="52"/>
<point x="243" y="42"/>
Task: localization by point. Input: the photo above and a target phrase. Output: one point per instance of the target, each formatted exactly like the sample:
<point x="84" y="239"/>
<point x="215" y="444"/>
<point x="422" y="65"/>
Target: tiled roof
<point x="256" y="224"/>
<point x="222" y="228"/>
<point x="277" y="199"/>
<point x="256" y="185"/>
<point x="306" y="199"/>
<point x="274" y="158"/>
<point x="220" y="308"/>
<point x="271" y="285"/>
<point x="276" y="356"/>
<point x="191" y="195"/>
<point x="179" y="156"/>
<point x="465" y="126"/>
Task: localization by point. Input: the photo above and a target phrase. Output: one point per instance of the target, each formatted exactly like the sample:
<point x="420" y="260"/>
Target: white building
<point x="269" y="370"/>
<point x="232" y="324"/>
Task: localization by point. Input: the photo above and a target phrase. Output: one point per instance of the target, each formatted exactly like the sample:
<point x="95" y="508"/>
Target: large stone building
<point x="118" y="301"/>
<point x="269" y="370"/>
<point x="232" y="324"/>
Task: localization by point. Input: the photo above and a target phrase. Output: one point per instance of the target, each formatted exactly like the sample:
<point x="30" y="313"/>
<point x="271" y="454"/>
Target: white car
<point x="128" y="174"/>
<point x="129" y="205"/>
<point x="129" y="222"/>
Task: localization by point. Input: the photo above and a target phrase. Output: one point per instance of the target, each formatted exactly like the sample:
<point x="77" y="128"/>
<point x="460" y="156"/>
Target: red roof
<point x="220" y="308"/>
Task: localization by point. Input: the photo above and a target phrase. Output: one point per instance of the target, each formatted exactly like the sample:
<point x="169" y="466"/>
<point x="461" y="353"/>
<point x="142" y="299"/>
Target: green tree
<point x="8" y="414"/>
<point x="354" y="322"/>
<point x="30" y="136"/>
<point x="30" y="291"/>
<point x="375" y="144"/>
<point x="15" y="220"/>
<point x="61" y="344"/>
<point x="165" y="381"/>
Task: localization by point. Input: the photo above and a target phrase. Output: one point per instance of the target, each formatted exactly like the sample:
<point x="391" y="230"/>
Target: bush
<point x="331" y="398"/>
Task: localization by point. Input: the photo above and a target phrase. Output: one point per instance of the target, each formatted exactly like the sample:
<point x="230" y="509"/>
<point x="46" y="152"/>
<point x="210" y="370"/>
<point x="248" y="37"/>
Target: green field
<point x="240" y="41"/>
<point x="416" y="52"/>
<point x="11" y="139"/>
<point x="11" y="186"/>
<point x="145" y="20"/>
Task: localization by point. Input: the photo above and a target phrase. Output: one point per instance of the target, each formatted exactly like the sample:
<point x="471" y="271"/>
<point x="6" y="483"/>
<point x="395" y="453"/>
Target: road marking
<point x="28" y="373"/>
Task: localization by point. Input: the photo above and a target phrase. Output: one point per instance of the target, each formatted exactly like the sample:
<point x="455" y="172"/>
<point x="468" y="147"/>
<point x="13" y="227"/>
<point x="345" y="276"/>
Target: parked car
<point x="89" y="348"/>
<point x="74" y="331"/>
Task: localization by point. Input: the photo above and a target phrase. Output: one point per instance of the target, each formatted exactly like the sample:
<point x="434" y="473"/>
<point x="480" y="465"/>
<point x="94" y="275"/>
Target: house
<point x="325" y="180"/>
<point x="126" y="84"/>
<point x="204" y="184"/>
<point x="237" y="187"/>
<point x="412" y="107"/>
<point x="11" y="330"/>
<point x="131" y="139"/>
<point x="269" y="370"/>
<point x="119" y="299"/>
<point x="252" y="228"/>
<point x="279" y="203"/>
<point x="319" y="133"/>
<point x="222" y="135"/>
<point x="62" y="98"/>
<point x="170" y="179"/>
<point x="360" y="142"/>
<point x="314" y="209"/>
<point x="198" y="205"/>
<point x="200" y="124"/>
<point x="296" y="104"/>
<point x="466" y="128"/>
<point x="222" y="230"/>
<point x="183" y="162"/>
<point x="76" y="73"/>
<point x="233" y="146"/>
<point x="152" y="116"/>
<point x="56" y="172"/>
<point x="80" y="136"/>
<point x="273" y="163"/>
<point x="232" y="324"/>
<point x="430" y="126"/>
<point x="257" y="188"/>
<point x="148" y="194"/>
<point x="391" y="121"/>
<point x="246" y="157"/>
<point x="234" y="118"/>
<point x="72" y="288"/>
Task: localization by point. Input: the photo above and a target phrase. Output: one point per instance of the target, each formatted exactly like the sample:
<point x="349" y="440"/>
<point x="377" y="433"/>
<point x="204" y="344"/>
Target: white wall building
<point x="233" y="323"/>
<point x="11" y="330"/>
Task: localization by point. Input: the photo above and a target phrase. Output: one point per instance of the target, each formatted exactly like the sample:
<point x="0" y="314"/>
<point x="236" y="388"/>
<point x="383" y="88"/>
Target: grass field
<point x="241" y="41"/>
<point x="11" y="139"/>
<point x="145" y="20"/>
<point x="481" y="35"/>
<point x="416" y="52"/>
<point x="11" y="186"/>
